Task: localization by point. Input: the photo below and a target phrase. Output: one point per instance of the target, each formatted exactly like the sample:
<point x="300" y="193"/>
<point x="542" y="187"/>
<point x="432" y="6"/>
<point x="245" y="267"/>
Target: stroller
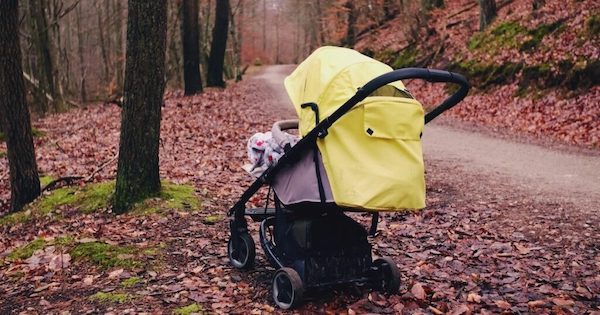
<point x="369" y="161"/>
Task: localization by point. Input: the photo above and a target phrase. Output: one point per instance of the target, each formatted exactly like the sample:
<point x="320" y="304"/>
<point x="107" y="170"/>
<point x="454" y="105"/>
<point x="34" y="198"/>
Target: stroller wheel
<point x="287" y="288"/>
<point x="242" y="257"/>
<point x="389" y="275"/>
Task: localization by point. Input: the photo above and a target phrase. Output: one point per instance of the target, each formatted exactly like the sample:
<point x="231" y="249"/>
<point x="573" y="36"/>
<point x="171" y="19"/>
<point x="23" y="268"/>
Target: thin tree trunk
<point x="14" y="115"/>
<point x="277" y="27"/>
<point x="82" y="67"/>
<point x="351" y="28"/>
<point x="487" y="13"/>
<point x="138" y="170"/>
<point x="119" y="46"/>
<point x="218" y="45"/>
<point x="42" y="43"/>
<point x="191" y="46"/>
<point x="103" y="43"/>
<point x="264" y="24"/>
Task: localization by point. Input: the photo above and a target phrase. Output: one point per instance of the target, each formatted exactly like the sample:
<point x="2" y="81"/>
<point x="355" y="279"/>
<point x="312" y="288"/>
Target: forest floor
<point x="486" y="243"/>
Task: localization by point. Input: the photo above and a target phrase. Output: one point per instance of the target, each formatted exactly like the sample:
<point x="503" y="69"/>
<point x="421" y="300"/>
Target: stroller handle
<point x="430" y="75"/>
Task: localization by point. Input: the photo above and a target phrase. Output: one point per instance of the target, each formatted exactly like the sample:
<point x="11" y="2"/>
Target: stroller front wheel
<point x="242" y="257"/>
<point x="287" y="288"/>
<point x="389" y="275"/>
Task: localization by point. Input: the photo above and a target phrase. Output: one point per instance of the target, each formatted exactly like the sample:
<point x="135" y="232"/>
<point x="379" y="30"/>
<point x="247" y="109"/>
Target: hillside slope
<point x="534" y="71"/>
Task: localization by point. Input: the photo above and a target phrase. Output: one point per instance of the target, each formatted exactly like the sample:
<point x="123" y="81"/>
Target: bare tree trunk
<point x="14" y="115"/>
<point x="42" y="43"/>
<point x="82" y="67"/>
<point x="191" y="46"/>
<point x="277" y="26"/>
<point x="487" y="13"/>
<point x="138" y="168"/>
<point x="218" y="45"/>
<point x="350" y="39"/>
<point x="264" y="31"/>
<point x="103" y="43"/>
<point x="119" y="45"/>
<point x="537" y="4"/>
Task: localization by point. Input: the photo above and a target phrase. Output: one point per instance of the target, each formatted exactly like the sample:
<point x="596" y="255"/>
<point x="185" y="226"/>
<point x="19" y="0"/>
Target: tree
<point x="137" y="170"/>
<point x="350" y="39"/>
<point x="24" y="179"/>
<point x="216" y="59"/>
<point x="191" y="48"/>
<point x="487" y="13"/>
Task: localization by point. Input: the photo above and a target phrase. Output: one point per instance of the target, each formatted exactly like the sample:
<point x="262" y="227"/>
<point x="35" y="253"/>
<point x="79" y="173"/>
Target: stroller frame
<point x="290" y="281"/>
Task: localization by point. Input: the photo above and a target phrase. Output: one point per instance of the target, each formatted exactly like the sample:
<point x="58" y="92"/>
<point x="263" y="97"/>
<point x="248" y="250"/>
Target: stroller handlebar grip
<point x="430" y="75"/>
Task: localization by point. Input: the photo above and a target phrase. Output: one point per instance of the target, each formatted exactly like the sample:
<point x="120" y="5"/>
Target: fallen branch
<point x="68" y="179"/>
<point x="463" y="10"/>
<point x="71" y="179"/>
<point x="99" y="168"/>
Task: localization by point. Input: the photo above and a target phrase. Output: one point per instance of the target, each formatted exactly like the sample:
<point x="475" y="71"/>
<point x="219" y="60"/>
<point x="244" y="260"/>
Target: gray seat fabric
<point x="297" y="182"/>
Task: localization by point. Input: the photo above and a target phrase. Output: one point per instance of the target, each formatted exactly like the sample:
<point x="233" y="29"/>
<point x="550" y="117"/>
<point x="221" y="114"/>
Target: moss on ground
<point x="592" y="26"/>
<point x="27" y="250"/>
<point x="111" y="297"/>
<point x="537" y="35"/>
<point x="107" y="256"/>
<point x="187" y="310"/>
<point x="98" y="196"/>
<point x="15" y="218"/>
<point x="513" y="35"/>
<point x="484" y="75"/>
<point x="212" y="219"/>
<point x="506" y="34"/>
<point x="172" y="196"/>
<point x="35" y="132"/>
<point x="130" y="282"/>
<point x="45" y="180"/>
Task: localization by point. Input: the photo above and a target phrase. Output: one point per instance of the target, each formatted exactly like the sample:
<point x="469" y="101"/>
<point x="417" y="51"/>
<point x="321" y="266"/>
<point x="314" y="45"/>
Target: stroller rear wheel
<point x="242" y="257"/>
<point x="287" y="288"/>
<point x="389" y="275"/>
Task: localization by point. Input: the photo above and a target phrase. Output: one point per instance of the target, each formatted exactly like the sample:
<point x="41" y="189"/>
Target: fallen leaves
<point x="418" y="291"/>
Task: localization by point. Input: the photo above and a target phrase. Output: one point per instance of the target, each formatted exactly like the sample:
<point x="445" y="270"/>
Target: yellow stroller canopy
<point x="372" y="155"/>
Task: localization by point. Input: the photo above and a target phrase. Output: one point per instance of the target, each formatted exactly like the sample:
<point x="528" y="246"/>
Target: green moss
<point x="45" y="180"/>
<point x="2" y="154"/>
<point x="27" y="250"/>
<point x="406" y="58"/>
<point x="111" y="297"/>
<point x="15" y="218"/>
<point x="35" y="132"/>
<point x="182" y="197"/>
<point x="106" y="256"/>
<point x="506" y="34"/>
<point x="483" y="75"/>
<point x="130" y="282"/>
<point x="187" y="310"/>
<point x="59" y="197"/>
<point x="592" y="26"/>
<point x="212" y="219"/>
<point x="172" y="196"/>
<point x="63" y="241"/>
<point x="96" y="196"/>
<point x="150" y="252"/>
<point x="538" y="34"/>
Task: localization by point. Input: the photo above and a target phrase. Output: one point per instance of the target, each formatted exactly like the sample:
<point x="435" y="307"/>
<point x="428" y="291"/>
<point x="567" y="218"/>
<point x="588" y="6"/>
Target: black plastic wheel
<point x="389" y="275"/>
<point x="287" y="288"/>
<point x="242" y="257"/>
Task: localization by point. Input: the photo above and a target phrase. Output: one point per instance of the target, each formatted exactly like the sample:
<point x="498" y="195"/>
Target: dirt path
<point x="546" y="174"/>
